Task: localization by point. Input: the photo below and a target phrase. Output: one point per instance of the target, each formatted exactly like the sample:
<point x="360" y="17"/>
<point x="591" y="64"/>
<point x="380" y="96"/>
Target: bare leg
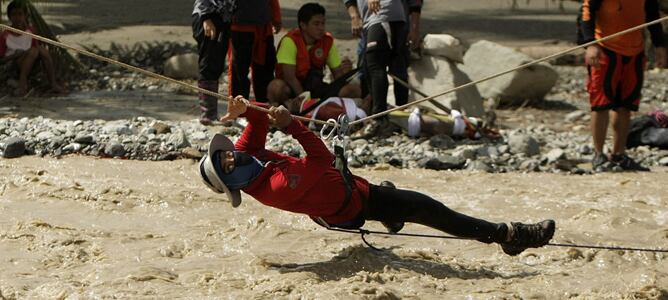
<point x="25" y="65"/>
<point x="599" y="128"/>
<point x="621" y="121"/>
<point x="50" y="70"/>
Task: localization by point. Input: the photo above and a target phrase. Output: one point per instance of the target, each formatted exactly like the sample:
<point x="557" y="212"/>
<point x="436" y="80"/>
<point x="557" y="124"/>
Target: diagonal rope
<point x="364" y="232"/>
<point x="558" y="54"/>
<point x="145" y="72"/>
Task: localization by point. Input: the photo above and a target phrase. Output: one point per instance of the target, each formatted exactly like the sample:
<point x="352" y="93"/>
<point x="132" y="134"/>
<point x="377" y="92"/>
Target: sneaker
<point x="600" y="163"/>
<point x="392" y="227"/>
<point x="626" y="163"/>
<point x="523" y="236"/>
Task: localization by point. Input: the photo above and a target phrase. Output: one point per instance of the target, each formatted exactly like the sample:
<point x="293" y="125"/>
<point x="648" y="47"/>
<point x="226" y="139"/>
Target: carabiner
<point x="325" y="127"/>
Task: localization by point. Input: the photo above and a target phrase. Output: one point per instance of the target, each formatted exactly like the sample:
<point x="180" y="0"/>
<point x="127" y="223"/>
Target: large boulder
<point x="184" y="66"/>
<point x="485" y="58"/>
<point x="444" y="45"/>
<point x="434" y="75"/>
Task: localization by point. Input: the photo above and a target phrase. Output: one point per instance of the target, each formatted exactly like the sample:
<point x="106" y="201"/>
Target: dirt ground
<point x="81" y="227"/>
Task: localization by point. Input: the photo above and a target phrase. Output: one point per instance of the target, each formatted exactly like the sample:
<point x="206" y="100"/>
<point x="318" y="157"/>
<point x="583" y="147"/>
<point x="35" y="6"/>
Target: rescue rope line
<point x="142" y="71"/>
<point x="463" y="86"/>
<point x="363" y="232"/>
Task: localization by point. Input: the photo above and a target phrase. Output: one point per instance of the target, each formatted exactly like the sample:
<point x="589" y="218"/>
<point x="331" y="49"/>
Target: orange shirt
<point x="612" y="16"/>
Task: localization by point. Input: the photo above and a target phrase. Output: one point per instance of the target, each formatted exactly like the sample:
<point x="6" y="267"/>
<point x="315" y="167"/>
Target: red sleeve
<point x="254" y="137"/>
<point x="275" y="11"/>
<point x="3" y="43"/>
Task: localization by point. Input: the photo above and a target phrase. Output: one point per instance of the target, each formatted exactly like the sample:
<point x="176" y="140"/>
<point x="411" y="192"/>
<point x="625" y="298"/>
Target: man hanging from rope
<point x="334" y="197"/>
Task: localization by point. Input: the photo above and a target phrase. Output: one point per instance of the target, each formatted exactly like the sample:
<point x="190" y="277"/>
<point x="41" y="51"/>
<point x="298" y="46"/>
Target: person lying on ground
<point x="335" y="197"/>
<point x="302" y="56"/>
<point x="24" y="51"/>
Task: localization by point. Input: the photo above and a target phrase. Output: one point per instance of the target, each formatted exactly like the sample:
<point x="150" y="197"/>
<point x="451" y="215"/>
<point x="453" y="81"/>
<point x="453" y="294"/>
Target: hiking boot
<point x="379" y="128"/>
<point x="392" y="227"/>
<point x="208" y="105"/>
<point x="600" y="163"/>
<point x="626" y="163"/>
<point x="523" y="236"/>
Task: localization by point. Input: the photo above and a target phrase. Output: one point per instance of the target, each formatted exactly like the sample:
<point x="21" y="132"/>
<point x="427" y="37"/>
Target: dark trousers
<point x="379" y="56"/>
<point x="387" y="204"/>
<point x="212" y="52"/>
<point x="242" y="60"/>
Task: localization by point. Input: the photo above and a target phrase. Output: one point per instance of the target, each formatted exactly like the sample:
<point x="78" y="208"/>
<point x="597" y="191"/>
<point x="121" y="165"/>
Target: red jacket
<point x="309" y="185"/>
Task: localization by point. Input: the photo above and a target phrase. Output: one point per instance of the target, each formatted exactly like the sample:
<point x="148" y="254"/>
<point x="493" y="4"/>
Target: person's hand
<point x="414" y="40"/>
<point x="593" y="55"/>
<point x="277" y="27"/>
<point x="356" y="26"/>
<point x="374" y="6"/>
<point x="209" y="29"/>
<point x="280" y="116"/>
<point x="660" y="57"/>
<point x="235" y="108"/>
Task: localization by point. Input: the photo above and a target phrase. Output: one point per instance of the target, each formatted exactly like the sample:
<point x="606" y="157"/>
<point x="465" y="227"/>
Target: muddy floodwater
<point x="80" y="228"/>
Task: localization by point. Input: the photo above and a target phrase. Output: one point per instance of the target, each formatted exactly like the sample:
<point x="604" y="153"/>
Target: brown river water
<point x="81" y="228"/>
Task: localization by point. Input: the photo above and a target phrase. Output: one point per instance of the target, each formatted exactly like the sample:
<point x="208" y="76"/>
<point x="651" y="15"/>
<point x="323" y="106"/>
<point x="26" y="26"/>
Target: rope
<point x="364" y="232"/>
<point x="558" y="54"/>
<point x="142" y="71"/>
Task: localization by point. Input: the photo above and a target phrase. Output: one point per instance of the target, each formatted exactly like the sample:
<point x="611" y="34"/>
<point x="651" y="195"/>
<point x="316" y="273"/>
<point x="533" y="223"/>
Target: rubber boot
<point x="208" y="105"/>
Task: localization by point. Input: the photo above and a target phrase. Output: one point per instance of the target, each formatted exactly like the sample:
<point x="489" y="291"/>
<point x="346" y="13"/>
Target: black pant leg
<point x="212" y="52"/>
<point x="242" y="55"/>
<point x="399" y="62"/>
<point x="264" y="74"/>
<point x="396" y="205"/>
<point x="377" y="59"/>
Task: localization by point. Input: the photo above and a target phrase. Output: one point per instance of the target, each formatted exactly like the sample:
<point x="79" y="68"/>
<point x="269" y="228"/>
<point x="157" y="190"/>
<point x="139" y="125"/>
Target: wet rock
<point x="14" y="147"/>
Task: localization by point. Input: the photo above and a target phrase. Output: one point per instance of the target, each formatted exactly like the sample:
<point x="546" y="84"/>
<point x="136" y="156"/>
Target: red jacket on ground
<point x="309" y="185"/>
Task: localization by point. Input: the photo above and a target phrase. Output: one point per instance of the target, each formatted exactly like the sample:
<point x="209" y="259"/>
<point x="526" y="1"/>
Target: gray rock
<point x="83" y="138"/>
<point x="485" y="58"/>
<point x="114" y="149"/>
<point x="532" y="165"/>
<point x="476" y="165"/>
<point x="433" y="75"/>
<point x="555" y="154"/>
<point x="521" y="143"/>
<point x="179" y="140"/>
<point x="14" y="147"/>
<point x="574" y="116"/>
<point x="443" y="162"/>
<point x="161" y="128"/>
<point x="183" y="66"/>
<point x="117" y="127"/>
<point x="663" y="161"/>
<point x="442" y="141"/>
